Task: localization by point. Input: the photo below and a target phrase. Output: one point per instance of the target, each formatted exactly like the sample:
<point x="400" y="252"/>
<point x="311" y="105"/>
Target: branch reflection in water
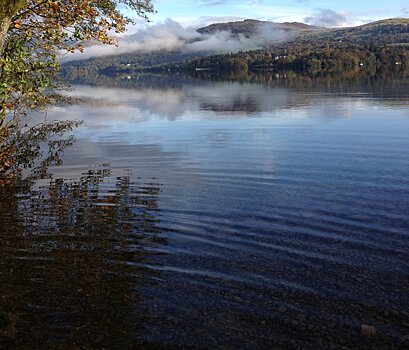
<point x="71" y="251"/>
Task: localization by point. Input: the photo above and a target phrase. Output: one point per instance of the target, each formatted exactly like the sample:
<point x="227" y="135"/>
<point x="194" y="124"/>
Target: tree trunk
<point x="8" y="8"/>
<point x="4" y="27"/>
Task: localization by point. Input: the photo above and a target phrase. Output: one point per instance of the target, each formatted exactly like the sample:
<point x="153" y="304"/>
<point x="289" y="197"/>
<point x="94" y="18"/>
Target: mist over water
<point x="215" y="214"/>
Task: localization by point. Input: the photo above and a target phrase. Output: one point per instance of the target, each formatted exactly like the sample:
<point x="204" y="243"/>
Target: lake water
<point x="187" y="213"/>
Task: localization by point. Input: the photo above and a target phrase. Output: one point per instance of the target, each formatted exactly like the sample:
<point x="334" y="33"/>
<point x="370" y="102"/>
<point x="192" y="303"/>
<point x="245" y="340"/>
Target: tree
<point x="8" y="8"/>
<point x="32" y="35"/>
<point x="34" y="32"/>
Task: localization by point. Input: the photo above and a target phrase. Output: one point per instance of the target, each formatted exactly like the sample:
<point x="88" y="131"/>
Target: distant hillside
<point x="249" y="27"/>
<point x="384" y="32"/>
<point x="381" y="42"/>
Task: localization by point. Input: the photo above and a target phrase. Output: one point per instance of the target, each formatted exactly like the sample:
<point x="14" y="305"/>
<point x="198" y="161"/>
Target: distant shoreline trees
<point x="305" y="57"/>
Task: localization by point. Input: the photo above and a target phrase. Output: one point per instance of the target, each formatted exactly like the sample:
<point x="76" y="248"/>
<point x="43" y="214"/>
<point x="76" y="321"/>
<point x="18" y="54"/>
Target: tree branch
<point x="31" y="9"/>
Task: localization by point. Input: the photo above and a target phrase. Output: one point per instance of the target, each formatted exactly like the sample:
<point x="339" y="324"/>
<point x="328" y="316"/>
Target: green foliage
<point x="28" y="72"/>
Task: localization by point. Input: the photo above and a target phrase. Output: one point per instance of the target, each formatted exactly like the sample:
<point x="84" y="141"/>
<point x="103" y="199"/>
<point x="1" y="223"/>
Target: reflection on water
<point x="215" y="214"/>
<point x="71" y="261"/>
<point x="174" y="97"/>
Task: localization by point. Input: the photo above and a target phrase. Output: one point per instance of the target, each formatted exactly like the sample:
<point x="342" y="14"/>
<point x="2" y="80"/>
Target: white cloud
<point x="329" y="18"/>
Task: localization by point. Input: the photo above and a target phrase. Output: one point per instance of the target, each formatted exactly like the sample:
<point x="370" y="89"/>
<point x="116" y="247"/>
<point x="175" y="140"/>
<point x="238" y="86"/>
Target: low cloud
<point x="213" y="2"/>
<point x="329" y="18"/>
<point x="171" y="36"/>
<point x="208" y="20"/>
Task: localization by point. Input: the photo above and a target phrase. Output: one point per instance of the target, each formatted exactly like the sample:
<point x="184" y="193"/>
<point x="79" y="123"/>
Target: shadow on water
<point x="68" y="254"/>
<point x="64" y="275"/>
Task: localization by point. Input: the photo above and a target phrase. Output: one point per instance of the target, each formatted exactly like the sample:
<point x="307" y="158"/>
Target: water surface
<point x="200" y="214"/>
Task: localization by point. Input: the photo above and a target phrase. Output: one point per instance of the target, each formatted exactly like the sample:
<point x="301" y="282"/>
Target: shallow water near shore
<point x="215" y="214"/>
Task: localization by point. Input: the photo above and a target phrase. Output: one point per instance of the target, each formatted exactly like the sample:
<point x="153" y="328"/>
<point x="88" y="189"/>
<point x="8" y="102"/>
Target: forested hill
<point x="388" y="31"/>
<point x="249" y="27"/>
<point x="381" y="42"/>
<point x="384" y="32"/>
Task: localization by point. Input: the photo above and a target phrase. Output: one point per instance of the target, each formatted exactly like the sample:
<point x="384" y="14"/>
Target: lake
<point x="210" y="213"/>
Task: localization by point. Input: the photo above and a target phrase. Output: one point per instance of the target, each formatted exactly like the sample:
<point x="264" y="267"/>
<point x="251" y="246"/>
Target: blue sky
<point x="329" y="13"/>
